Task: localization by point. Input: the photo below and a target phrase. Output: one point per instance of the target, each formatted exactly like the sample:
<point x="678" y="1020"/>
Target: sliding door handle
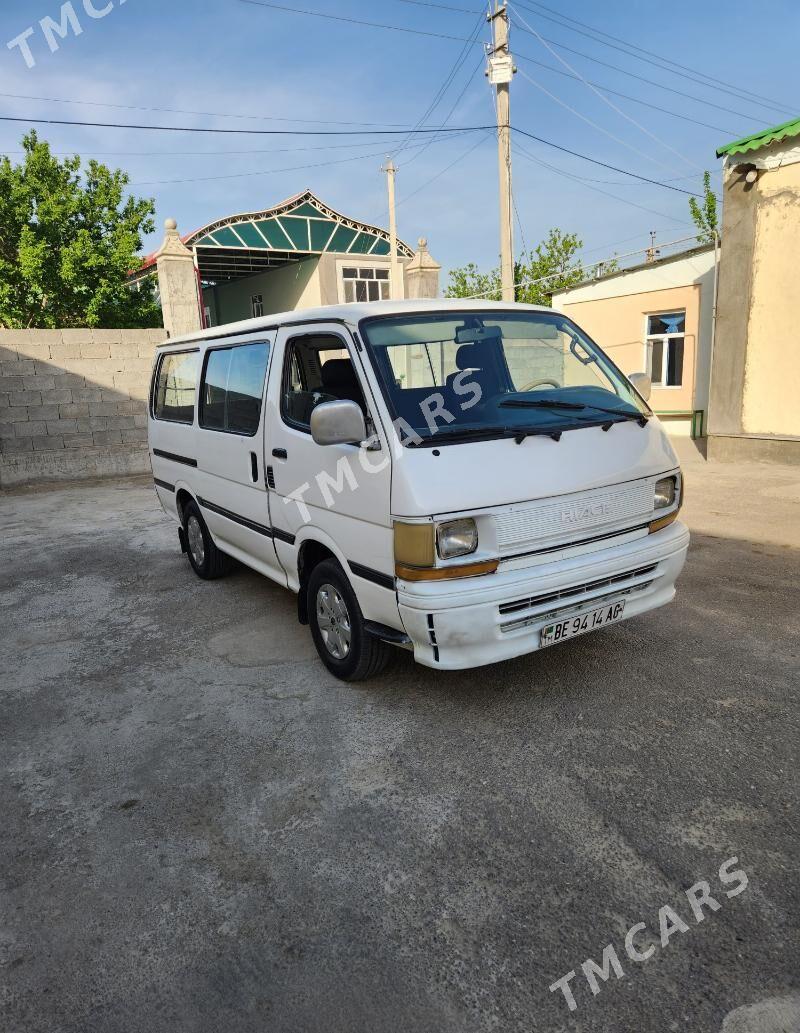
<point x="254" y="468"/>
<point x="280" y="453"/>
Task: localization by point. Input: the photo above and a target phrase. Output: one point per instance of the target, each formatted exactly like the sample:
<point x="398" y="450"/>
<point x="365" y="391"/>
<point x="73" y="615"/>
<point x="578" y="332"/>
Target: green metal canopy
<point x="303" y="224"/>
<point x="762" y="138"/>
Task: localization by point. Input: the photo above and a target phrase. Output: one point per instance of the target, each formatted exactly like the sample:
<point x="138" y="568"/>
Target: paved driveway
<point x="202" y="830"/>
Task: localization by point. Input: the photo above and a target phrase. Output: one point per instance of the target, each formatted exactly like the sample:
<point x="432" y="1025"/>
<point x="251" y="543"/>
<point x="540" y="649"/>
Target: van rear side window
<point x="176" y="382"/>
<point x="233" y="386"/>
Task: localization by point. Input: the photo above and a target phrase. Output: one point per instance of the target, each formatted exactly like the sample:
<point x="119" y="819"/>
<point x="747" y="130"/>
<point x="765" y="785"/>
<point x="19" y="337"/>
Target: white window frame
<point x="666" y="338"/>
<point x="256" y="303"/>
<point x="207" y="316"/>
<point x="355" y="264"/>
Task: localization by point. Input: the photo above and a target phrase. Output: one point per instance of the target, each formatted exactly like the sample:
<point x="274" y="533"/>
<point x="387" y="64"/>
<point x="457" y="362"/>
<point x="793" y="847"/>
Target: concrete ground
<point x="202" y="830"/>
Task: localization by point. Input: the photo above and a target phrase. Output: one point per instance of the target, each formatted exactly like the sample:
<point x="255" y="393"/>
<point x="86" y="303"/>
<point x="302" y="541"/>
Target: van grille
<point x="569" y="517"/>
<point x="575" y="593"/>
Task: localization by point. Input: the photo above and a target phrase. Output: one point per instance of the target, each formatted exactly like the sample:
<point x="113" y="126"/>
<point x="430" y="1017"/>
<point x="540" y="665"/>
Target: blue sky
<point x="226" y="57"/>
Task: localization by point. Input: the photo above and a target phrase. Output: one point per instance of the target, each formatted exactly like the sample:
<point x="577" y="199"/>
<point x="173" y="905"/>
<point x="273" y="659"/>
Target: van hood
<point x="483" y="474"/>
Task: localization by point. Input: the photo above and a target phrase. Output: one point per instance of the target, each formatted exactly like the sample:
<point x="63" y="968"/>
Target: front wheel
<point x="337" y="626"/>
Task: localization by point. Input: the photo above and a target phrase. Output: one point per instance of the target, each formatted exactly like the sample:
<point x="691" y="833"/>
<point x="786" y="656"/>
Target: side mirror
<point x="338" y="423"/>
<point x="642" y="383"/>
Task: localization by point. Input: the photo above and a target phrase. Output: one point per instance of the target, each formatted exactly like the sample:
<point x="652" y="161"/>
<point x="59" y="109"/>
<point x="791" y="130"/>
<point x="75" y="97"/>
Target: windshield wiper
<point x="459" y="434"/>
<point x="539" y="403"/>
<point x="640" y="417"/>
<point x="543" y="403"/>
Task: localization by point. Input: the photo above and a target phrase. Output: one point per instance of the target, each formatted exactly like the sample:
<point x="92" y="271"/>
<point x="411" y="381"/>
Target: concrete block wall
<point x="73" y="403"/>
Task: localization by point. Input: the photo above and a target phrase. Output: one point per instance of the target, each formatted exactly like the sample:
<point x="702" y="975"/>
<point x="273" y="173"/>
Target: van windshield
<point x="469" y="375"/>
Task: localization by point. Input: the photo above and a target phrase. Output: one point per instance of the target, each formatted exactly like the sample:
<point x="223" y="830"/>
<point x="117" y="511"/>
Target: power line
<point x="450" y="113"/>
<point x="625" y="96"/>
<point x="246" y="132"/>
<point x="440" y="7"/>
<point x="464" y="39"/>
<point x="650" y="55"/>
<point x="212" y="154"/>
<point x="602" y="261"/>
<point x="264" y="172"/>
<point x="655" y="83"/>
<point x="590" y="186"/>
<point x="445" y="86"/>
<point x="439" y="174"/>
<point x="352" y="21"/>
<point x="603" y="164"/>
<point x="339" y="132"/>
<point x="206" y="114"/>
<point x="600" y="94"/>
<point x="586" y="119"/>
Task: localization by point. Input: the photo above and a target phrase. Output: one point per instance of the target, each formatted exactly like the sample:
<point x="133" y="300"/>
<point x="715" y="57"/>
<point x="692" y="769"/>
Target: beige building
<point x="733" y="374"/>
<point x="656" y="318"/>
<point x="755" y="375"/>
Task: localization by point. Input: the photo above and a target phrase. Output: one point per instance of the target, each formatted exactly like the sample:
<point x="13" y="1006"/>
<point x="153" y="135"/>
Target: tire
<point x="206" y="559"/>
<point x="337" y="626"/>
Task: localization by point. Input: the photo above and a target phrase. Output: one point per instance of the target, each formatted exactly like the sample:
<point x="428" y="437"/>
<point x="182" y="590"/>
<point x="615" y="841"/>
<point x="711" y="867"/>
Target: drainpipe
<point x="713" y="325"/>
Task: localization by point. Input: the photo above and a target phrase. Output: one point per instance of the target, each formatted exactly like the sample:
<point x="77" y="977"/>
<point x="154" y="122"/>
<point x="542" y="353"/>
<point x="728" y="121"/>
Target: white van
<point x="468" y="480"/>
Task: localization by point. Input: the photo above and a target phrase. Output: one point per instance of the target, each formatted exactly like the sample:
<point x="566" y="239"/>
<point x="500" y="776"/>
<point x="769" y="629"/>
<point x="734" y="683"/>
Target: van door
<point x="232" y="490"/>
<point x="337" y="494"/>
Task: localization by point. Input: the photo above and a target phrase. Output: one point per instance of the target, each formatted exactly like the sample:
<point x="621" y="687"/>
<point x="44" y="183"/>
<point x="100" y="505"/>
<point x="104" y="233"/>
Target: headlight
<point x="666" y="493"/>
<point x="456" y="538"/>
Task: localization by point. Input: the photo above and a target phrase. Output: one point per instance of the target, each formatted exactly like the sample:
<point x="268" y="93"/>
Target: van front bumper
<point x="474" y="621"/>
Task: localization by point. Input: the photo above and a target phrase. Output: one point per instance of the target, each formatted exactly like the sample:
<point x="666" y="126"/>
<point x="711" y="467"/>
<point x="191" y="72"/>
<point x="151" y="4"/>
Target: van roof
<point x="352" y="313"/>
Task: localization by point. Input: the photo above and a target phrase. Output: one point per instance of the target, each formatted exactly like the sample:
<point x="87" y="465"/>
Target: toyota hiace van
<point x="471" y="481"/>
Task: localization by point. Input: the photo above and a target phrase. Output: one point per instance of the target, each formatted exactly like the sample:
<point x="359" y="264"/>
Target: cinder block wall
<point x="73" y="403"/>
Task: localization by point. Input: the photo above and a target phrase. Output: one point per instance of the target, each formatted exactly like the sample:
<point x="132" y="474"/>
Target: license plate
<point x="581" y="623"/>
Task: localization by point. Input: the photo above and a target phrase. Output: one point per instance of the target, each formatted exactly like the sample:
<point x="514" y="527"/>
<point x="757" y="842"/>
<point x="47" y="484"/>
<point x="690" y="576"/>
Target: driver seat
<point x="479" y="360"/>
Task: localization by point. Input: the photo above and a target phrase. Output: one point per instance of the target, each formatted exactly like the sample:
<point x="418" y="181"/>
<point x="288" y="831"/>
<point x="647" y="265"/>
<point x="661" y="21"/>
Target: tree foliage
<point x="551" y="266"/>
<point x="705" y="215"/>
<point x="68" y="239"/>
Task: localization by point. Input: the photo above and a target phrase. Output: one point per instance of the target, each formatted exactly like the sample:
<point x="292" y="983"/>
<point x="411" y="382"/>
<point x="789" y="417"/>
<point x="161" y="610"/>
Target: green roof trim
<point x="300" y="224"/>
<point x="761" y="139"/>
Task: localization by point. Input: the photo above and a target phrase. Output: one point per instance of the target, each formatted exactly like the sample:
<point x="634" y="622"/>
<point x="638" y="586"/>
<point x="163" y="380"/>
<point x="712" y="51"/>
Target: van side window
<point x="233" y="388"/>
<point x="317" y="369"/>
<point x="176" y="382"/>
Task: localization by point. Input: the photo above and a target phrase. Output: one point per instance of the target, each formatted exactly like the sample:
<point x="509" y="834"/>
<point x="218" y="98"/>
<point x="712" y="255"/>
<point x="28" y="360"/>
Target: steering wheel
<point x="540" y="383"/>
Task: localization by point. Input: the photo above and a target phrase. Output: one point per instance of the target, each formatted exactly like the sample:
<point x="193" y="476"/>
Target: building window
<point x="665" y="346"/>
<point x="256" y="305"/>
<point x="362" y="284"/>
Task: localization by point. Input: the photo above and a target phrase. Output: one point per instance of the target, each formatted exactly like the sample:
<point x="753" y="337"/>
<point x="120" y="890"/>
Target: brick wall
<point x="73" y="403"/>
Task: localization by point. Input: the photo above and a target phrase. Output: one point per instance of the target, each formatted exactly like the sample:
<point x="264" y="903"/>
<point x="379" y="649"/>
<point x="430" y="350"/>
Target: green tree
<point x="550" y="267"/>
<point x="68" y="239"/>
<point x="538" y="274"/>
<point x="705" y="215"/>
<point x="469" y="282"/>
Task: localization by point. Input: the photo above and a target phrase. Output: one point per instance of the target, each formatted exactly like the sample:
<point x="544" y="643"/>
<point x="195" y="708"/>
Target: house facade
<point x="300" y="253"/>
<point x="755" y="374"/>
<point x="656" y="318"/>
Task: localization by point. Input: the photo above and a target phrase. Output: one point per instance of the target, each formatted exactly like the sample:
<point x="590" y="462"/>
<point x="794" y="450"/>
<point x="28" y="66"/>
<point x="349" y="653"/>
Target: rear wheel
<point x="337" y="626"/>
<point x="207" y="561"/>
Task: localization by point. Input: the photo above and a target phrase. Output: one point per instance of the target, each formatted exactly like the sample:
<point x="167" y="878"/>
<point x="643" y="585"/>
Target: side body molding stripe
<point x="251" y="524"/>
<point x="174" y="458"/>
<point x="375" y="576"/>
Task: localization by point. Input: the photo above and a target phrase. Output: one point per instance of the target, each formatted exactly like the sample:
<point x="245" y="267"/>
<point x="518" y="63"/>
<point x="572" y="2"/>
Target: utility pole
<point x="394" y="267"/>
<point x="501" y="72"/>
